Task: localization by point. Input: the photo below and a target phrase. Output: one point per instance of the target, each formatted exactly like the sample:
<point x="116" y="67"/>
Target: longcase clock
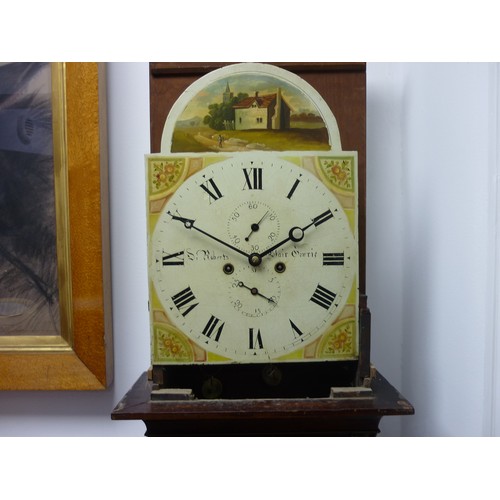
<point x="256" y="240"/>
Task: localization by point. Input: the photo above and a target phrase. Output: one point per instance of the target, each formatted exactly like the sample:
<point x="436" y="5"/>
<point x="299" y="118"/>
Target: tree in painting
<point x="221" y="115"/>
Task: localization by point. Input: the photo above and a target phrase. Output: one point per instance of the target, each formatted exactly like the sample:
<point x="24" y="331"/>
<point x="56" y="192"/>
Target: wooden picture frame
<point x="80" y="358"/>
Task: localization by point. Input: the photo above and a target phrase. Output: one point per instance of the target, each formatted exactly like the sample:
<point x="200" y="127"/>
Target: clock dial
<point x="253" y="258"/>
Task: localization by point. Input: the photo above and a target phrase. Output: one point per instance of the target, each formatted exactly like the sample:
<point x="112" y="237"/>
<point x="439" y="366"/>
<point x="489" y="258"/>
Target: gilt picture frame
<point x="76" y="354"/>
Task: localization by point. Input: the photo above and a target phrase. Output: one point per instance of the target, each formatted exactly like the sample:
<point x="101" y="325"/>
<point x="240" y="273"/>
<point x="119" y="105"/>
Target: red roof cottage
<point x="262" y="112"/>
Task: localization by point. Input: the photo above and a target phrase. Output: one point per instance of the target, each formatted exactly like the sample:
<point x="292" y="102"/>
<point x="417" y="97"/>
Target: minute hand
<point x="189" y="224"/>
<point x="296" y="234"/>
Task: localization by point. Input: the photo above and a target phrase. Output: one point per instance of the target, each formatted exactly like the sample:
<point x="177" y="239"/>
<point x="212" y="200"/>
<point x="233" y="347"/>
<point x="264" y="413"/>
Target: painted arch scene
<point x="250" y="111"/>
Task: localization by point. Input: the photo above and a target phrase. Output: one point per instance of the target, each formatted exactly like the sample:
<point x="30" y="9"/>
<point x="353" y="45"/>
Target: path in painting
<point x="232" y="144"/>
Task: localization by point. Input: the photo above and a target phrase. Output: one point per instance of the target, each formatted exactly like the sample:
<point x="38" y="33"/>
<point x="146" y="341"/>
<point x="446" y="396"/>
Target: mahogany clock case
<point x="343" y="88"/>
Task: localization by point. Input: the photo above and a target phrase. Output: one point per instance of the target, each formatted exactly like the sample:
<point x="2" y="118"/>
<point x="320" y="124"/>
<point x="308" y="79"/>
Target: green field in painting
<point x="184" y="141"/>
<point x="202" y="139"/>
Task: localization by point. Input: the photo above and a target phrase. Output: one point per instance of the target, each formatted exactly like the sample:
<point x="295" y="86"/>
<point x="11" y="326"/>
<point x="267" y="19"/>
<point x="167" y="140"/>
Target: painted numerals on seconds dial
<point x="253" y="225"/>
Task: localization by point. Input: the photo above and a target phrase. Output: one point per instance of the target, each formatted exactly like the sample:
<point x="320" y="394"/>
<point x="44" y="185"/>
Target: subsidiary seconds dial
<point x="253" y="226"/>
<point x="253" y="257"/>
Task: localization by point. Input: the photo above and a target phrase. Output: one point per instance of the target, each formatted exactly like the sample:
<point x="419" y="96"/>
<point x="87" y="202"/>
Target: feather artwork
<point x="28" y="247"/>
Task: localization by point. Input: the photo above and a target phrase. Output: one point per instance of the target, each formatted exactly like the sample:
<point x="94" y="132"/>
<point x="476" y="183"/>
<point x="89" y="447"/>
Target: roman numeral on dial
<point x="322" y="218"/>
<point x="296" y="331"/>
<point x="255" y="339"/>
<point x="294" y="187"/>
<point x="213" y="326"/>
<point x="253" y="178"/>
<point x="212" y="190"/>
<point x="323" y="297"/>
<point x="333" y="259"/>
<point x="185" y="301"/>
<point x="173" y="259"/>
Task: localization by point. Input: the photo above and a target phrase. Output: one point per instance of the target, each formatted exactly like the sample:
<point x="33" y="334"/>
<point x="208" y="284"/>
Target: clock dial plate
<point x="253" y="259"/>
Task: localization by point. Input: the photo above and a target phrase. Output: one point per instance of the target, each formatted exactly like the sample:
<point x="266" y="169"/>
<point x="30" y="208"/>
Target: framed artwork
<point x="55" y="300"/>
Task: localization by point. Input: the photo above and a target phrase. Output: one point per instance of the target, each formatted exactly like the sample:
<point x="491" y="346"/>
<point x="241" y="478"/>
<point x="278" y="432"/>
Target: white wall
<point x="432" y="266"/>
<point x="432" y="242"/>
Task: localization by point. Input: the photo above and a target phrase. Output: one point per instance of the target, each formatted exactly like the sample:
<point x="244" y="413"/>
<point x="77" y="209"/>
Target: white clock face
<point x="252" y="258"/>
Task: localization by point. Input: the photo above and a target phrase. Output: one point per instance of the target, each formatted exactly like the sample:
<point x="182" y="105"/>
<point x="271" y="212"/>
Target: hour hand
<point x="190" y="224"/>
<point x="295" y="234"/>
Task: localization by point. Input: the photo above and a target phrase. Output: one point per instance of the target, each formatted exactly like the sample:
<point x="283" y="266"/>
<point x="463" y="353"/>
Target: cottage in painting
<point x="269" y="112"/>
